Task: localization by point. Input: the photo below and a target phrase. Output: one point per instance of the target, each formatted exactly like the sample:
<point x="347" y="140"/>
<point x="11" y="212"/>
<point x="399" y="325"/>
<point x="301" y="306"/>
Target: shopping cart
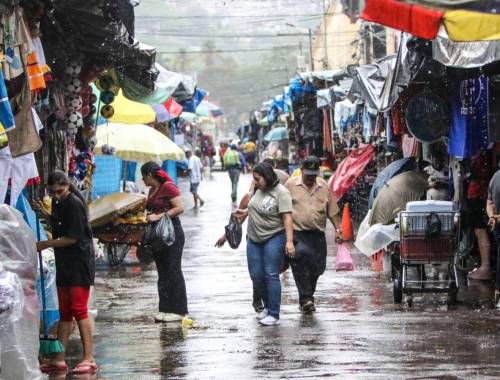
<point x="430" y="249"/>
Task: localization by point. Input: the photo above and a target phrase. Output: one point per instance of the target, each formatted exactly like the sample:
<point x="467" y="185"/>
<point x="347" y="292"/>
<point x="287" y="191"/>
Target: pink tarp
<point x="350" y="169"/>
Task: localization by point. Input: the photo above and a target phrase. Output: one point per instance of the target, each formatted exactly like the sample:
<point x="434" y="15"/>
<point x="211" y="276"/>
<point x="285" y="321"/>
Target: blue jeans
<point x="264" y="263"/>
<point x="234" y="175"/>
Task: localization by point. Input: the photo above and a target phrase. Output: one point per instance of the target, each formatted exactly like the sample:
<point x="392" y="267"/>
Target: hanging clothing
<point x="327" y="136"/>
<point x="469" y="117"/>
<point x="15" y="38"/>
<point x="6" y="115"/>
<point x="24" y="138"/>
<point x="37" y="47"/>
<point x="398" y="112"/>
<point x="18" y="170"/>
<point x="4" y="139"/>
<point x="35" y="74"/>
<point x="369" y="121"/>
<point x="409" y="146"/>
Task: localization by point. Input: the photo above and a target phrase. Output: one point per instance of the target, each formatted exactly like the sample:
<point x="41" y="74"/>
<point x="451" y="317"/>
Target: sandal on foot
<point x="51" y="367"/>
<point x="85" y="367"/>
<point x="476" y="274"/>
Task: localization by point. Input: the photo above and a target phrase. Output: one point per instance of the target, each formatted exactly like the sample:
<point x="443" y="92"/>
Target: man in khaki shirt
<point x="313" y="204"/>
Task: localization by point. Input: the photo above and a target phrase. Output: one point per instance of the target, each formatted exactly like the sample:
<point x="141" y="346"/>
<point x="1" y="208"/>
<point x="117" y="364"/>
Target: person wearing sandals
<point x="165" y="198"/>
<point x="75" y="267"/>
<point x="269" y="237"/>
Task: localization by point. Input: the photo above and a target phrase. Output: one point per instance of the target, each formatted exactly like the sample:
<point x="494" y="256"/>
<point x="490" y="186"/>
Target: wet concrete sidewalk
<point x="356" y="333"/>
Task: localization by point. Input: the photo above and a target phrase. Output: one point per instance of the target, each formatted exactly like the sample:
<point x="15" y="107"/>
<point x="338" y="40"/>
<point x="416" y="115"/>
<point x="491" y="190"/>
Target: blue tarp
<point x="192" y="104"/>
<point x="107" y="176"/>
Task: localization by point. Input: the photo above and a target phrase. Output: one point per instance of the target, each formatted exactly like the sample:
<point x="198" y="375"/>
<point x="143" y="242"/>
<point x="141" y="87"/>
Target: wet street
<point x="356" y="333"/>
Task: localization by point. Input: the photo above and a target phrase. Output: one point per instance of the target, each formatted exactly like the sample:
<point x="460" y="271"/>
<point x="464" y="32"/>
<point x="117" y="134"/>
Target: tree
<point x="209" y="52"/>
<point x="181" y="61"/>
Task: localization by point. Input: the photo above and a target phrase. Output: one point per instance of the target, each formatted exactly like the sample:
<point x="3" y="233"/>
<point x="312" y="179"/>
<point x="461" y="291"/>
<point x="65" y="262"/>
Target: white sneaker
<point x="264" y="313"/>
<point x="159" y="317"/>
<point x="168" y="317"/>
<point x="269" y="321"/>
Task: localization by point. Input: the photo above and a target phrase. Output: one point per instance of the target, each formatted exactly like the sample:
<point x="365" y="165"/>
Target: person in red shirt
<point x="165" y="198"/>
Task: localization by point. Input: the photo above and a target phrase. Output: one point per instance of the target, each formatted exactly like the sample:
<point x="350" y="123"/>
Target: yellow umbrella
<point x="137" y="142"/>
<point x="128" y="111"/>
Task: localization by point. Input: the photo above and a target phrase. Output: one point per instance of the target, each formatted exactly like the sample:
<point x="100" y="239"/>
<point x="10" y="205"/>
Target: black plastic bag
<point x="433" y="228"/>
<point x="161" y="232"/>
<point x="233" y="232"/>
<point x="145" y="254"/>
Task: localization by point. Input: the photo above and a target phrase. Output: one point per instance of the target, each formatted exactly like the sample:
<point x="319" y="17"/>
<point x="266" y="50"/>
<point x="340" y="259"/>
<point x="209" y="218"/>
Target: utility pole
<point x="311" y="59"/>
<point x="367" y="44"/>
<point x="325" y="63"/>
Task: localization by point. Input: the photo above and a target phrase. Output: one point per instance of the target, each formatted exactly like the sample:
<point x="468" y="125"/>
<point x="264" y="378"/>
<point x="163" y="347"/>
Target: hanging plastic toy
<point x="107" y="111"/>
<point x="107" y="97"/>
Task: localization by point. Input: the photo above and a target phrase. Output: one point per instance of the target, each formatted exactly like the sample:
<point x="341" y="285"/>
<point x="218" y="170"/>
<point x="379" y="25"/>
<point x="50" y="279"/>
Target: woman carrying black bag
<point x="165" y="198"/>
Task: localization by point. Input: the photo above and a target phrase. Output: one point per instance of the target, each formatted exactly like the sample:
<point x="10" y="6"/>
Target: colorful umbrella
<point x="189" y="117"/>
<point x="276" y="134"/>
<point x="137" y="142"/>
<point x="208" y="109"/>
<point x="128" y="111"/>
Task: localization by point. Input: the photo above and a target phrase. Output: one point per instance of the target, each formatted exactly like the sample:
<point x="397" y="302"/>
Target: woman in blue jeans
<point x="269" y="237"/>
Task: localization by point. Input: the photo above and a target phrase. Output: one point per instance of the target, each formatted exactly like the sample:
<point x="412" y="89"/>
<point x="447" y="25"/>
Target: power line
<point x="228" y="51"/>
<point x="235" y="16"/>
<point x="168" y="34"/>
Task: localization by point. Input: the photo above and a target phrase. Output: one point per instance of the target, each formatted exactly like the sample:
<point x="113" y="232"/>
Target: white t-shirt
<point x="195" y="169"/>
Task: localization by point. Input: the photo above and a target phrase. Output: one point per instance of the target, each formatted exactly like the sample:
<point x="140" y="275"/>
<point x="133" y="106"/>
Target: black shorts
<point x="475" y="215"/>
<point x="250" y="158"/>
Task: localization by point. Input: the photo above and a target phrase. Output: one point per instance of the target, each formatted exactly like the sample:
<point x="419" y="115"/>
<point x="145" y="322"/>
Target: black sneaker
<point x="308" y="307"/>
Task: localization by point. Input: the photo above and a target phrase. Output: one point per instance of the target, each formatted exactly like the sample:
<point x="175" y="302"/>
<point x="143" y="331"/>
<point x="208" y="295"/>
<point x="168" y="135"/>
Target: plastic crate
<point x="107" y="176"/>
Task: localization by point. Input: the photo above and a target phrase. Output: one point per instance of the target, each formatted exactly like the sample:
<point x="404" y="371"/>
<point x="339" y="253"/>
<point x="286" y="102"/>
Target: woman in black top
<point x="75" y="266"/>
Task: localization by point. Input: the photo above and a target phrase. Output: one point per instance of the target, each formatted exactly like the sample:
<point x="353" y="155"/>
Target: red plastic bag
<point x="344" y="260"/>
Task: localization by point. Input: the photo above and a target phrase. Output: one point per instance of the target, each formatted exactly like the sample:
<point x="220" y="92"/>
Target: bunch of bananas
<point x="131" y="218"/>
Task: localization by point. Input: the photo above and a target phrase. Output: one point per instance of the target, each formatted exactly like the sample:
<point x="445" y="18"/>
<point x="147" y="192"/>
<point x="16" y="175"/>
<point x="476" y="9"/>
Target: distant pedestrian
<point x="233" y="164"/>
<point x="250" y="151"/>
<point x="165" y="198"/>
<point x="313" y="204"/>
<point x="270" y="236"/>
<point x="222" y="151"/>
<point x="75" y="267"/>
<point x="195" y="175"/>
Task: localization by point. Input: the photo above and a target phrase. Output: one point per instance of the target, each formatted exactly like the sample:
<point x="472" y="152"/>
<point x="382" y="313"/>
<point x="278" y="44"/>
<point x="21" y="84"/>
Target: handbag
<point x="344" y="260"/>
<point x="233" y="232"/>
<point x="160" y="232"/>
